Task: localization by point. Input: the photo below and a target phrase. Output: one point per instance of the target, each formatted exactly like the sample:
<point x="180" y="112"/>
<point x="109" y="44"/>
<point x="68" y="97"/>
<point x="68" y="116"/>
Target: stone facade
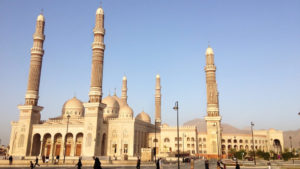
<point x="107" y="127"/>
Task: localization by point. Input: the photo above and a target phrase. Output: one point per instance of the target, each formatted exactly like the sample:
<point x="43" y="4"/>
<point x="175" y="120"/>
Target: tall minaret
<point x="124" y="90"/>
<point x="213" y="119"/>
<point x="98" y="47"/>
<point x="158" y="101"/>
<point x="30" y="111"/>
<point x="93" y="120"/>
<point x="37" y="52"/>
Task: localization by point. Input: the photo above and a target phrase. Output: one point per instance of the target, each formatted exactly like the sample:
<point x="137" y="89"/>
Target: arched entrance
<point x="46" y="145"/>
<point x="277" y="146"/>
<point x="69" y="144"/>
<point x="36" y="145"/>
<point x="79" y="138"/>
<point x="57" y="144"/>
<point x="103" y="145"/>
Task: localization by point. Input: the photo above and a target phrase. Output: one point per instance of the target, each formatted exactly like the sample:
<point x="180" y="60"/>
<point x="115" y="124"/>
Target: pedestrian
<point x="269" y="165"/>
<point x="138" y="163"/>
<point x="237" y="165"/>
<point x="10" y="160"/>
<point x="43" y="158"/>
<point x="79" y="164"/>
<point x="57" y="159"/>
<point x="206" y="163"/>
<point x="160" y="163"/>
<point x="157" y="164"/>
<point x="36" y="161"/>
<point x="97" y="163"/>
<point x="31" y="165"/>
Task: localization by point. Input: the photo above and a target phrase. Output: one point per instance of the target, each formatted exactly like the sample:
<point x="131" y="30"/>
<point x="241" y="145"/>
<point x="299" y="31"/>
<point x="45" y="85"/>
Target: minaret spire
<point x="37" y="52"/>
<point x="158" y="101"/>
<point x="211" y="84"/>
<point x="124" y="90"/>
<point x="98" y="47"/>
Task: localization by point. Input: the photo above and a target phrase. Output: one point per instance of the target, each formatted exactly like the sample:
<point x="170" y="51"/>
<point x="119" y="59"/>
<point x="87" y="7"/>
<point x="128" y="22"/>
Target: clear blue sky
<point x="256" y="44"/>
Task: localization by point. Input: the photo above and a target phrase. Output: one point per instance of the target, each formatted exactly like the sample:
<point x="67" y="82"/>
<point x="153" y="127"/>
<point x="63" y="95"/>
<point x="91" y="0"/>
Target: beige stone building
<point x="107" y="127"/>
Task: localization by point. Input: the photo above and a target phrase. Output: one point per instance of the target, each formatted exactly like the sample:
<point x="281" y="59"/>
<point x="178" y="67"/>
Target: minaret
<point x="98" y="47"/>
<point x="213" y="119"/>
<point x="124" y="90"/>
<point x="30" y="111"/>
<point x="93" y="120"/>
<point x="158" y="101"/>
<point x="37" y="52"/>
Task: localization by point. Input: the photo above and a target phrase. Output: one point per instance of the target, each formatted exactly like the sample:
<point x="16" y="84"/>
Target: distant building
<point x="107" y="127"/>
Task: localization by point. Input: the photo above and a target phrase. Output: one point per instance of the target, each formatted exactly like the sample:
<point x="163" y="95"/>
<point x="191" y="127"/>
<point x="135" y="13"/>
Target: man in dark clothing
<point x="157" y="164"/>
<point x="79" y="164"/>
<point x="31" y="165"/>
<point x="206" y="163"/>
<point x="97" y="164"/>
<point x="237" y="165"/>
<point x="36" y="161"/>
<point x="43" y="159"/>
<point x="138" y="164"/>
<point x="10" y="160"/>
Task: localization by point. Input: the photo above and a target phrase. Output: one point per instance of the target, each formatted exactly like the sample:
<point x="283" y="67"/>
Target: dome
<point x="40" y="18"/>
<point x="112" y="107"/>
<point x="100" y="11"/>
<point x="165" y="125"/>
<point x="125" y="112"/>
<point x="143" y="116"/>
<point x="73" y="107"/>
<point x="209" y="51"/>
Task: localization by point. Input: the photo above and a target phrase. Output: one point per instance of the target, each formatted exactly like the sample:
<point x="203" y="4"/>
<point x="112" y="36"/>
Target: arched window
<point x="166" y="140"/>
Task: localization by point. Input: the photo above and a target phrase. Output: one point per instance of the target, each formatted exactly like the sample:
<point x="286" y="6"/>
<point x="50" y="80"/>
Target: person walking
<point x="138" y="163"/>
<point x="31" y="165"/>
<point x="10" y="160"/>
<point x="237" y="165"/>
<point x="206" y="163"/>
<point x="36" y="162"/>
<point x="269" y="165"/>
<point x="79" y="164"/>
<point x="157" y="164"/>
<point x="97" y="163"/>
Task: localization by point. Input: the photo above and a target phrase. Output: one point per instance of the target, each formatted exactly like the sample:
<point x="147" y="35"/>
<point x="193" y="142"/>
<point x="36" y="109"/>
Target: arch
<point x="69" y="144"/>
<point x="241" y="147"/>
<point x="46" y="145"/>
<point x="277" y="146"/>
<point x="79" y="139"/>
<point x="192" y="139"/>
<point x="103" y="145"/>
<point x="241" y="141"/>
<point x="36" y="145"/>
<point x="57" y="144"/>
<point x="229" y="141"/>
<point x="166" y="140"/>
<point x="187" y="139"/>
<point x="246" y="147"/>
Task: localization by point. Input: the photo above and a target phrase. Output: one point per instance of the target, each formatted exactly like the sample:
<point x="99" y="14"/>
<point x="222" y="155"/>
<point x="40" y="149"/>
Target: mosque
<point x="107" y="127"/>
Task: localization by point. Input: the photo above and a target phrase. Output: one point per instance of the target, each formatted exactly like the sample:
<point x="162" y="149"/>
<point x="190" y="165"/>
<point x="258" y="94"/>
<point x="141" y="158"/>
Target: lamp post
<point x="66" y="138"/>
<point x="183" y="135"/>
<point x="176" y="109"/>
<point x="252" y="124"/>
<point x="155" y="141"/>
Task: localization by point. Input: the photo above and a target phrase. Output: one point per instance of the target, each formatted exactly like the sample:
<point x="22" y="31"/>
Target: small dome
<point x="125" y="112"/>
<point x="112" y="107"/>
<point x="165" y="125"/>
<point x="73" y="107"/>
<point x="209" y="51"/>
<point x="100" y="11"/>
<point x="124" y="78"/>
<point x="143" y="116"/>
<point x="41" y="18"/>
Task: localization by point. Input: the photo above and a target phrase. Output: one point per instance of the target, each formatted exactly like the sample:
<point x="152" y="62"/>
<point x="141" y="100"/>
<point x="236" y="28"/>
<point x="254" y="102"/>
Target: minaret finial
<point x="115" y="93"/>
<point x="101" y="3"/>
<point x="208" y="43"/>
<point x="42" y="11"/>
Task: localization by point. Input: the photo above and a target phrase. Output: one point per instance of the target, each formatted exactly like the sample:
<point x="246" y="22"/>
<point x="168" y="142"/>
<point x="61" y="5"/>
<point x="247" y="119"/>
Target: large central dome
<point x="112" y="107"/>
<point x="73" y="107"/>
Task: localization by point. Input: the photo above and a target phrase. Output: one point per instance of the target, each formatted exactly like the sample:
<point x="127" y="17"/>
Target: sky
<point x="256" y="45"/>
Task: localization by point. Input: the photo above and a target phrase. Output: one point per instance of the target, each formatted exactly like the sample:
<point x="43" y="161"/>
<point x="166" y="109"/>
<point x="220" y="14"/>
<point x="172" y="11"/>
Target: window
<point x="229" y="141"/>
<point x="204" y="139"/>
<point x="200" y="139"/>
<point x="192" y="139"/>
<point x="193" y="145"/>
<point x="188" y="139"/>
<point x="234" y="141"/>
<point x="188" y="145"/>
<point x="241" y="141"/>
<point x="167" y="140"/>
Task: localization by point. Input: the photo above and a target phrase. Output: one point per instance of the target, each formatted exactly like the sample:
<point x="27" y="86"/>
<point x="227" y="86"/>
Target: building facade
<point x="107" y="126"/>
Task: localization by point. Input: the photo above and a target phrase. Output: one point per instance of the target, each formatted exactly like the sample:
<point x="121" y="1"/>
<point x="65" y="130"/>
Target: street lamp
<point x="66" y="138"/>
<point x="155" y="140"/>
<point x="252" y="124"/>
<point x="176" y="109"/>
